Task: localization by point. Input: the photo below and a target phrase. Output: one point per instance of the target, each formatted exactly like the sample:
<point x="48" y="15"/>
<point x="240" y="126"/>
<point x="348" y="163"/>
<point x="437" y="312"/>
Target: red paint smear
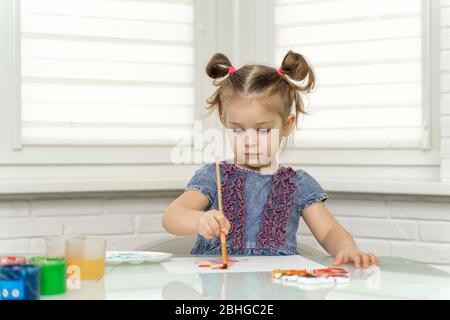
<point x="220" y="260"/>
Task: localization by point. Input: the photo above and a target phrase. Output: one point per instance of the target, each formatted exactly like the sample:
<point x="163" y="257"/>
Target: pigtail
<point x="296" y="67"/>
<point x="219" y="66"/>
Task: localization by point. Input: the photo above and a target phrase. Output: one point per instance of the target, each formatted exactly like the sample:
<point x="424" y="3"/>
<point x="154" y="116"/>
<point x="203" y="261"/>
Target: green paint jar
<point x="53" y="274"/>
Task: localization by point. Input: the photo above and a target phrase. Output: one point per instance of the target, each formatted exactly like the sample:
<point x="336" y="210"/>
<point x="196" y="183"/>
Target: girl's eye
<point x="238" y="130"/>
<point x="263" y="131"/>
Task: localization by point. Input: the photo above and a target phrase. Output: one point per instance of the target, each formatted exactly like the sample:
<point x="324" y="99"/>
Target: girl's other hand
<point x="360" y="259"/>
<point x="211" y="223"/>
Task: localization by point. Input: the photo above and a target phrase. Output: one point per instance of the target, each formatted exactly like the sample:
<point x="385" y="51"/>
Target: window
<point x="92" y="88"/>
<point x="368" y="57"/>
<point x="106" y="72"/>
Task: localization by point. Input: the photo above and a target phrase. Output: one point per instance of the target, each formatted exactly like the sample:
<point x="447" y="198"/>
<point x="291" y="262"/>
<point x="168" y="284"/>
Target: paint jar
<point x="55" y="247"/>
<point x="12" y="260"/>
<point x="20" y="282"/>
<point x="86" y="255"/>
<point x="53" y="274"/>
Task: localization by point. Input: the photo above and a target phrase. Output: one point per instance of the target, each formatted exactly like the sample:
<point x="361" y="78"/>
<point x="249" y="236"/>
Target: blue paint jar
<point x="20" y="282"/>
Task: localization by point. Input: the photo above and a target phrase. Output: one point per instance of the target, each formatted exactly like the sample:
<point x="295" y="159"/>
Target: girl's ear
<point x="289" y="124"/>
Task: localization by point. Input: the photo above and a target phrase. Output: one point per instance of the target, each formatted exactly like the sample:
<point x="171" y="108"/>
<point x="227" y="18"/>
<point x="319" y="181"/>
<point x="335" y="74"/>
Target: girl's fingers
<point x="214" y="225"/>
<point x="208" y="232"/>
<point x="365" y="259"/>
<point x="222" y="220"/>
<point x="205" y="235"/>
<point x="339" y="259"/>
<point x="373" y="259"/>
<point x="348" y="258"/>
<point x="357" y="260"/>
<point x="360" y="259"/>
<point x="228" y="227"/>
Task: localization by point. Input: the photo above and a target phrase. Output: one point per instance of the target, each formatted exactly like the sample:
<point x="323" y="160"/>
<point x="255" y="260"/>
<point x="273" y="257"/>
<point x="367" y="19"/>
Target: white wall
<point x="411" y="227"/>
<point x="126" y="220"/>
<point x="445" y="89"/>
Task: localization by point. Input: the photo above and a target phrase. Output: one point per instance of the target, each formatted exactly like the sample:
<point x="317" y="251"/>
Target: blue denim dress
<point x="263" y="208"/>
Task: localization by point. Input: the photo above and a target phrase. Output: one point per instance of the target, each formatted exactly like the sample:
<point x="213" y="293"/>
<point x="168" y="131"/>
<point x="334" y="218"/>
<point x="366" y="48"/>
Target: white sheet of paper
<point x="247" y="264"/>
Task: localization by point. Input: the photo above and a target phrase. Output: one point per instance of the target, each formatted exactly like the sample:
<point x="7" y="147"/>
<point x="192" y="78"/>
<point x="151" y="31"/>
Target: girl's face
<point x="255" y="131"/>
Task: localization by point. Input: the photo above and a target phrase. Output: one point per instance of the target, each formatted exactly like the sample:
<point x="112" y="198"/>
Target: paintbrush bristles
<point x="223" y="240"/>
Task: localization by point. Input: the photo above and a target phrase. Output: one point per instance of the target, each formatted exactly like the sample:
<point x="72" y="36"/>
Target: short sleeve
<point x="310" y="191"/>
<point x="204" y="181"/>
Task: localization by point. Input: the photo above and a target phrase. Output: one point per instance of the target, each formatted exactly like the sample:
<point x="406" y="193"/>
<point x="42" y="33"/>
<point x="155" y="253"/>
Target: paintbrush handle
<point x="223" y="240"/>
<point x="219" y="189"/>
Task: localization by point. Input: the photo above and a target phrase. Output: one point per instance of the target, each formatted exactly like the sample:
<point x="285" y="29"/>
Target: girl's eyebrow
<point x="265" y="122"/>
<point x="259" y="123"/>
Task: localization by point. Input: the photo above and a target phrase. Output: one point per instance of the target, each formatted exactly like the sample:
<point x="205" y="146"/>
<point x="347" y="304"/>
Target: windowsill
<point x="413" y="187"/>
<point x="55" y="186"/>
<point x="432" y="188"/>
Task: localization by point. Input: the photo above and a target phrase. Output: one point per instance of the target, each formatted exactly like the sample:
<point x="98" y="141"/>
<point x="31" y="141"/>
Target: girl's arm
<point x="181" y="216"/>
<point x="334" y="238"/>
<point x="186" y="216"/>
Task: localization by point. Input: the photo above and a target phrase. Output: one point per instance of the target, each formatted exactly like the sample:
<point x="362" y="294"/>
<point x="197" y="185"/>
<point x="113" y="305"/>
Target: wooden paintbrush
<point x="223" y="239"/>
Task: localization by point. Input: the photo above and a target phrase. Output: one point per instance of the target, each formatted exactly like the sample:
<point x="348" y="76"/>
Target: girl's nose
<point x="251" y="137"/>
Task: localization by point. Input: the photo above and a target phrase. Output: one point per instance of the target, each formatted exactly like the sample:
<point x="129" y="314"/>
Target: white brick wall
<point x="127" y="221"/>
<point x="445" y="90"/>
<point x="393" y="226"/>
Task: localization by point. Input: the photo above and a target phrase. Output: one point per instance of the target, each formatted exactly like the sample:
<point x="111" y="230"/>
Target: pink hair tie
<point x="231" y="70"/>
<point x="280" y="71"/>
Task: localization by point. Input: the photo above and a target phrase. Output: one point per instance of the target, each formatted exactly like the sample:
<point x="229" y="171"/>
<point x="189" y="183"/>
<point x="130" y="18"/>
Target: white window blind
<point x="107" y="71"/>
<point x="367" y="56"/>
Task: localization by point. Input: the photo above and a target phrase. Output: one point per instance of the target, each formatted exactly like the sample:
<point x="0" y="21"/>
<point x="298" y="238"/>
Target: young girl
<point x="262" y="201"/>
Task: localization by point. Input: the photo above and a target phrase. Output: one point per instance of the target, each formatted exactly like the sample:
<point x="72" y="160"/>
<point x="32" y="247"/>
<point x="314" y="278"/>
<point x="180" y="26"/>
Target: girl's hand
<point x="356" y="256"/>
<point x="211" y="223"/>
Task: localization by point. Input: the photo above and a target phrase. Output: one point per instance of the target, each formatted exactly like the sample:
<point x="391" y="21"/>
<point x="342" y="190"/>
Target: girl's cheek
<point x="237" y="144"/>
<point x="268" y="146"/>
<point x="274" y="140"/>
<point x="265" y="144"/>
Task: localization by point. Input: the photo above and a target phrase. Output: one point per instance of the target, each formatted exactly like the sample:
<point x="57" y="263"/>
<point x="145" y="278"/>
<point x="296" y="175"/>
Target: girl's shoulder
<point x="304" y="179"/>
<point x="309" y="189"/>
<point x="303" y="176"/>
<point x="207" y="168"/>
<point x="204" y="181"/>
